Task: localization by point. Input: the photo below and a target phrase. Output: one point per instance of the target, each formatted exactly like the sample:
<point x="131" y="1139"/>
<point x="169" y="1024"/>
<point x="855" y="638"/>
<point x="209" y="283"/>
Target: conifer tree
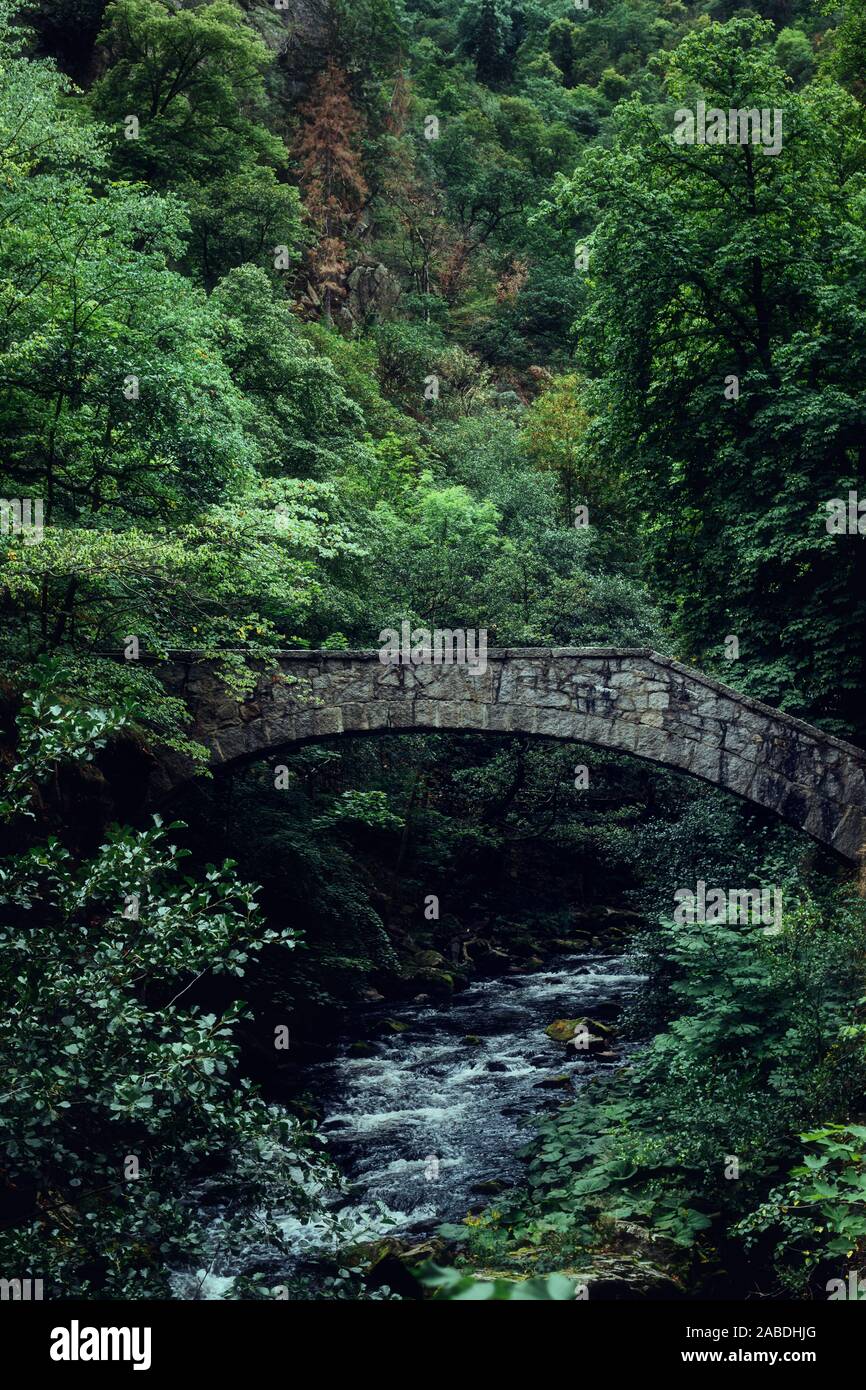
<point x="332" y="179"/>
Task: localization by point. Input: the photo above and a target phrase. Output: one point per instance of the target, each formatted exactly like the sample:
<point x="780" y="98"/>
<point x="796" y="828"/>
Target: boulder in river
<point x="580" y="1033"/>
<point x="490" y="1187"/>
<point x="439" y="983"/>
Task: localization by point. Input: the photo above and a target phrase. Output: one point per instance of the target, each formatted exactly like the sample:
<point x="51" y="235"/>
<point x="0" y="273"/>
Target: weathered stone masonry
<point x="631" y="700"/>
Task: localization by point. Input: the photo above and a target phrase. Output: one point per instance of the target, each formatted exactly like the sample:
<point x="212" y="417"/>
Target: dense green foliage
<point x="689" y="1135"/>
<point x="322" y="317"/>
<point x="107" y="1082"/>
<point x="760" y="277"/>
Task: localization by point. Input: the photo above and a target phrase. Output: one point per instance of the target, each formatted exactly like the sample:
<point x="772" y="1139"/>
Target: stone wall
<point x="630" y="700"/>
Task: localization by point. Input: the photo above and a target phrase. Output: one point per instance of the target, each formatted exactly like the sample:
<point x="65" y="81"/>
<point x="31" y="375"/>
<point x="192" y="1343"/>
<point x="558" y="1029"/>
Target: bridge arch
<point x="631" y="700"/>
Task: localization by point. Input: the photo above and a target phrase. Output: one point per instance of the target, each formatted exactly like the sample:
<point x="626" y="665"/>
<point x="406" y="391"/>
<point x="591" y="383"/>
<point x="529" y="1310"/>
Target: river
<point x="426" y="1125"/>
<point x="428" y="1117"/>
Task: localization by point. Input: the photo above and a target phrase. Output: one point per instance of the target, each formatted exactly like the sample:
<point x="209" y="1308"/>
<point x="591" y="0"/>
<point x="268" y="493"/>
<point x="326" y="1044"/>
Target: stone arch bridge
<point x="630" y="700"/>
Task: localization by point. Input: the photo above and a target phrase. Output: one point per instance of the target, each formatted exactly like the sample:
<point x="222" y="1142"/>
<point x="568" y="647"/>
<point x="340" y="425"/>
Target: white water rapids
<point x="429" y="1119"/>
<point x="420" y="1123"/>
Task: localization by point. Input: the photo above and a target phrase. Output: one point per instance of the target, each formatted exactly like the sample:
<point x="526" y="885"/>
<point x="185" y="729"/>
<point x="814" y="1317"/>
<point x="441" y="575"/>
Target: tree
<point x="488" y="188"/>
<point x="113" y="395"/>
<point x="248" y="216"/>
<point x="121" y="416"/>
<point x="794" y="53"/>
<point x="331" y="176"/>
<point x="846" y="48"/>
<point x="564" y="42"/>
<point x="299" y="415"/>
<point x="488" y="35"/>
<point x="554" y="434"/>
<point x="193" y="78"/>
<point x="715" y="270"/>
<point x="120" y="1091"/>
<point x="184" y="94"/>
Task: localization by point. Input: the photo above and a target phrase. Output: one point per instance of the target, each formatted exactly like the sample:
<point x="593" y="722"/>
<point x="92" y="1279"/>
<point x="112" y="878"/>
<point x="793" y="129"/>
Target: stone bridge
<point x="630" y="700"/>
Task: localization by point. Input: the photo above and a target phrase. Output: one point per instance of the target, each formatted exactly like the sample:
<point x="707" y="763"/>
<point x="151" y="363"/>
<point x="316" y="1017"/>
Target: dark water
<point x="421" y="1125"/>
<point x="418" y="1125"/>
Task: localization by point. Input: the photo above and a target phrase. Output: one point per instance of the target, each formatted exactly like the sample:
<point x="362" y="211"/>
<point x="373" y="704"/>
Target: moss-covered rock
<point x="564" y="1030"/>
<point x="428" y="960"/>
<point x="439" y="983"/>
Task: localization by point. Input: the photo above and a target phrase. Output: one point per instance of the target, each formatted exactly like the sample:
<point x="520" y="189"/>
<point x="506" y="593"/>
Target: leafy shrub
<point x="686" y="1139"/>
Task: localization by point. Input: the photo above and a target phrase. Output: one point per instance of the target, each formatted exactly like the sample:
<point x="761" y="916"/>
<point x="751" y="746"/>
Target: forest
<point x="323" y="317"/>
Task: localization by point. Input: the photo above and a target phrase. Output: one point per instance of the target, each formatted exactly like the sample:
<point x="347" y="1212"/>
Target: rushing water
<point x="425" y="1123"/>
<point x="430" y="1118"/>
